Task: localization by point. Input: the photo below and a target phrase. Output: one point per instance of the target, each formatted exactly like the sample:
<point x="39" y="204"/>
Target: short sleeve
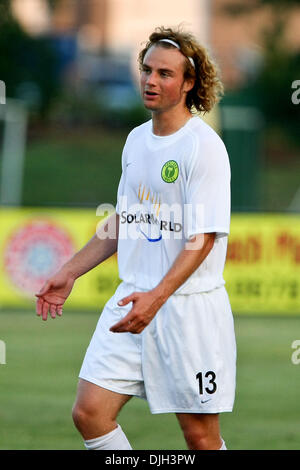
<point x="121" y="186"/>
<point x="207" y="195"/>
<point x="120" y="192"/>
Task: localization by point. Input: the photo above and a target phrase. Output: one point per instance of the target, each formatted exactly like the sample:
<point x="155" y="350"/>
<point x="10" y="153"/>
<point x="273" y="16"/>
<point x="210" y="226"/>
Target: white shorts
<point x="184" y="361"/>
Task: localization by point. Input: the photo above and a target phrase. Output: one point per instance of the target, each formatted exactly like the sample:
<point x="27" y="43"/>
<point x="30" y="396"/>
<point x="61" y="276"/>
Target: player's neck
<point x="168" y="122"/>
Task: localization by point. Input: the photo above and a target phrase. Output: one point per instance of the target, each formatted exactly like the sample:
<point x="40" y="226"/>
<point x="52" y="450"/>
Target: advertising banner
<point x="262" y="270"/>
<point x="35" y="243"/>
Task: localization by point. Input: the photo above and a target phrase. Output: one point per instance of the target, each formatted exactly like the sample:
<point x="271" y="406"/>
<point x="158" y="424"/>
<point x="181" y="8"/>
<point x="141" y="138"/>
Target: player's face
<point x="162" y="81"/>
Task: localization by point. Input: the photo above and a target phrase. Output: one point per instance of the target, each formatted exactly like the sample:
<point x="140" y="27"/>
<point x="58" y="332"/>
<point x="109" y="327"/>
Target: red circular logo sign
<point x="35" y="252"/>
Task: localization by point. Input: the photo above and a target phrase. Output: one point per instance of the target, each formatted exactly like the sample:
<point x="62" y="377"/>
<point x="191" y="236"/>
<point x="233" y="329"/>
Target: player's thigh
<point x="204" y="424"/>
<point x="98" y="401"/>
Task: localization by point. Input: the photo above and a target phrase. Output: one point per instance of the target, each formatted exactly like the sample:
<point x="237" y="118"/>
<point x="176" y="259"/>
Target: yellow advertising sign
<point x="34" y="243"/>
<point x="262" y="270"/>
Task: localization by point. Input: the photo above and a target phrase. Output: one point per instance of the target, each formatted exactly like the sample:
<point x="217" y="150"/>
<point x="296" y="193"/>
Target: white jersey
<point x="172" y="187"/>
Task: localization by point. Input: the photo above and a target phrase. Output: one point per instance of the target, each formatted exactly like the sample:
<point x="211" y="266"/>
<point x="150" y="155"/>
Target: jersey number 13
<point x="208" y="383"/>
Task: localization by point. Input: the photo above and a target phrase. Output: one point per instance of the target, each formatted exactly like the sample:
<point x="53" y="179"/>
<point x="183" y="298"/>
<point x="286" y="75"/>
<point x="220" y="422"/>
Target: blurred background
<point x="69" y="96"/>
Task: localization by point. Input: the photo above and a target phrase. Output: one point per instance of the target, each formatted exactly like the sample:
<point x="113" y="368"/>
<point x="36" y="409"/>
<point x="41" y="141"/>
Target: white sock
<point x="223" y="447"/>
<point x="114" y="440"/>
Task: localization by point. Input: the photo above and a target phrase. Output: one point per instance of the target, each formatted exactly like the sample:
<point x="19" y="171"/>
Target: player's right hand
<point x="53" y="295"/>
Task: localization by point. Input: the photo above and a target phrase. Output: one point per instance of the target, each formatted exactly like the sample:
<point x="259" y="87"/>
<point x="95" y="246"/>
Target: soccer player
<point x="167" y="334"/>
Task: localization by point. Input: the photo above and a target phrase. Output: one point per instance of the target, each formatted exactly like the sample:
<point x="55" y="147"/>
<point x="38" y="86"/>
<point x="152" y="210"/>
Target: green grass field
<point x="38" y="386"/>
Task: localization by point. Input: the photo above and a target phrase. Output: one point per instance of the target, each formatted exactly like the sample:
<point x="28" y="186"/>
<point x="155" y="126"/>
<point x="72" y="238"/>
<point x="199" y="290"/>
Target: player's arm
<point x="194" y="253"/>
<point x="146" y="304"/>
<point x="57" y="289"/>
<point x="98" y="249"/>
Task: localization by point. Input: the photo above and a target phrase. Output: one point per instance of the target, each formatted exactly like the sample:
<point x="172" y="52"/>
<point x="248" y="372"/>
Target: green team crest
<point x="170" y="171"/>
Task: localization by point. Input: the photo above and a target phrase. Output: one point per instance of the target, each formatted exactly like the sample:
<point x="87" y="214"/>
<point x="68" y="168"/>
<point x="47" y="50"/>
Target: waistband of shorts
<point x="134" y="287"/>
<point x="207" y="291"/>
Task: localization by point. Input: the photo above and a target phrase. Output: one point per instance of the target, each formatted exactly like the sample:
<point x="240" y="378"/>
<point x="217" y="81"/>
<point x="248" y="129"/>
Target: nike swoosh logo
<point x="127" y="164"/>
<point x="151" y="239"/>
<point x="205" y="401"/>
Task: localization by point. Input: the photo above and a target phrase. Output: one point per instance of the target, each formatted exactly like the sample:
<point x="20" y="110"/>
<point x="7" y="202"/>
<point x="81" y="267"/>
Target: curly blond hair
<point x="208" y="87"/>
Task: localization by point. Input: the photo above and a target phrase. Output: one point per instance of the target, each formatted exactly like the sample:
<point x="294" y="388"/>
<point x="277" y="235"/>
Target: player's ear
<point x="189" y="84"/>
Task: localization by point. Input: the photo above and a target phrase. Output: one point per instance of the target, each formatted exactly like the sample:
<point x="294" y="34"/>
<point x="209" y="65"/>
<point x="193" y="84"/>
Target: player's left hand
<point x="144" y="308"/>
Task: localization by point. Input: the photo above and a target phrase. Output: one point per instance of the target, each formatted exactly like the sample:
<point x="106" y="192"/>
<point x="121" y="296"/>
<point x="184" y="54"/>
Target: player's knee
<point x="199" y="439"/>
<point x="78" y="415"/>
<point x="86" y="416"/>
<point x="82" y="415"/>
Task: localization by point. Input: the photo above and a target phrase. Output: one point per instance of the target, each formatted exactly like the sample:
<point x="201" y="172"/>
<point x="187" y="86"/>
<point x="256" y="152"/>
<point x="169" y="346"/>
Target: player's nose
<point x="151" y="79"/>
